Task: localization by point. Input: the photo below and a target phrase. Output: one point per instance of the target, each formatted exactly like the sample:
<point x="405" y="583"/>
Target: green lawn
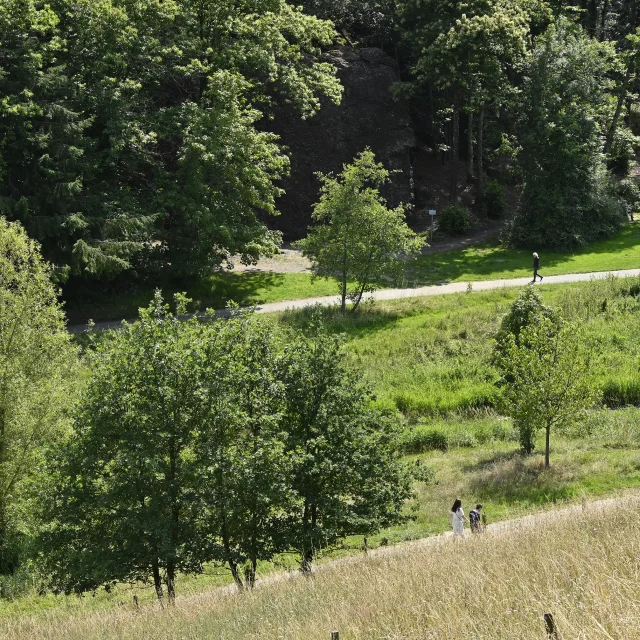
<point x="484" y="262"/>
<point x="212" y="292"/>
<point x="494" y="262"/>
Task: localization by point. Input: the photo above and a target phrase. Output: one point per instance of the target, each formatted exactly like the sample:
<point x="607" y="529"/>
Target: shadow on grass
<point x="493" y="259"/>
<point x="121" y="299"/>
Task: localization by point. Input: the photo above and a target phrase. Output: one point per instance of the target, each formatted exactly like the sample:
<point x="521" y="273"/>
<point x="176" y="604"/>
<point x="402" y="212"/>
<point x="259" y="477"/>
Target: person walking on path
<point x="475" y="519"/>
<point x="457" y="518"/>
<point x="536" y="266"/>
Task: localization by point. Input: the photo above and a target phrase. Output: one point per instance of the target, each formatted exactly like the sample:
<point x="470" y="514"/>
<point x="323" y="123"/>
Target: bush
<point x="424" y="438"/>
<point x="621" y="393"/>
<point x="495" y="201"/>
<point x="527" y="310"/>
<point x="454" y="219"/>
<point x="629" y="194"/>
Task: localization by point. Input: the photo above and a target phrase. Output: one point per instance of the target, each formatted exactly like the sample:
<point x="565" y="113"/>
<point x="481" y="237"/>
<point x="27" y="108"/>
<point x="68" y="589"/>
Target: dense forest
<point x="136" y="139"/>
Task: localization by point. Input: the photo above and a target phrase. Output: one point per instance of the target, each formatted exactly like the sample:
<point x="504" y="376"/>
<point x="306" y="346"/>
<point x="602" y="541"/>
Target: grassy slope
<point x="429" y="356"/>
<point x="581" y="565"/>
<point x="486" y="262"/>
<point x="434" y="351"/>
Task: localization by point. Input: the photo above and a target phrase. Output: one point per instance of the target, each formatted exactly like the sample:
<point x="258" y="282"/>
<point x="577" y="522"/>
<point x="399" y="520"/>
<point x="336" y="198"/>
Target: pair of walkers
<point x="457" y="518"/>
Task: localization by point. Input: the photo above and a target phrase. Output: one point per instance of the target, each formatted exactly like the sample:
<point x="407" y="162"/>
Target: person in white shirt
<point x="457" y="518"/>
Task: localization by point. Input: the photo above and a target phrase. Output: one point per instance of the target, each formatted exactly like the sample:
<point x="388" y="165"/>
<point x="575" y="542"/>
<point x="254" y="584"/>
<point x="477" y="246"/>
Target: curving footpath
<point x="397" y="294"/>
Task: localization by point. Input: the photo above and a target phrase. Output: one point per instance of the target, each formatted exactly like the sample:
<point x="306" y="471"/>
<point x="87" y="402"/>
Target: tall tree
<point x="565" y="200"/>
<point x="357" y="238"/>
<point x="347" y="472"/>
<point x="37" y="369"/>
<point x="465" y="49"/>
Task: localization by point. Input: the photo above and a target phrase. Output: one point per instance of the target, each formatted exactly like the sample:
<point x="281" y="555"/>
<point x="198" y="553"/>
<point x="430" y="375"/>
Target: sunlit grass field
<point x="429" y="359"/>
<point x="581" y="565"/>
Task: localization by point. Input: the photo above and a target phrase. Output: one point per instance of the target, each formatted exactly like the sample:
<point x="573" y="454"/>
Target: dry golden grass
<point x="582" y="564"/>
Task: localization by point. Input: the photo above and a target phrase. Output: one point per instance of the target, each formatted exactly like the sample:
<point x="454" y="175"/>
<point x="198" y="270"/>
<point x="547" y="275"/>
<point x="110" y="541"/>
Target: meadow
<point x="429" y="359"/>
<point x="580" y="564"/>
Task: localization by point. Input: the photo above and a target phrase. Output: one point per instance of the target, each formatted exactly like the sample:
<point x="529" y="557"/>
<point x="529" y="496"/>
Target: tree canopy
<point x="37" y="370"/>
<point x="130" y="130"/>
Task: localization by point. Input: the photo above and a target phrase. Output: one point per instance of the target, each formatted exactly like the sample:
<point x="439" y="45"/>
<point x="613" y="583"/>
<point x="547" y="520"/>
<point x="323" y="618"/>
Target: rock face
<point x="367" y="117"/>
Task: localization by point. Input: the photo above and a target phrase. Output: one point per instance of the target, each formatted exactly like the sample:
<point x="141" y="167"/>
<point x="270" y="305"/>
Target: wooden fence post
<point x="550" y="624"/>
<point x="335" y="635"/>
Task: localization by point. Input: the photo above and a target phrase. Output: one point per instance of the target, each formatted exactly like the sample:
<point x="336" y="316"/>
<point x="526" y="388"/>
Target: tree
<point x="347" y="472"/>
<point x="129" y="127"/>
<point x="527" y="310"/>
<point x="566" y="199"/>
<point x="175" y="459"/>
<point x="545" y="378"/>
<point x="243" y="460"/>
<point x="37" y="370"/>
<point x="188" y="448"/>
<point x="466" y="49"/>
<point x="358" y="238"/>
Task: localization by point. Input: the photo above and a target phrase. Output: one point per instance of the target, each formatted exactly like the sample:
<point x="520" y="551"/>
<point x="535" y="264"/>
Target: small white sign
<point x="432" y="212"/>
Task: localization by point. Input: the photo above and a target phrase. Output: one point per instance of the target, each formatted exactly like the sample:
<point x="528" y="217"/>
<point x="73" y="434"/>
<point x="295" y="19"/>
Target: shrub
<point x="621" y="393"/>
<point x="424" y="438"/>
<point x="454" y="219"/>
<point x="527" y="310"/>
<point x="495" y="201"/>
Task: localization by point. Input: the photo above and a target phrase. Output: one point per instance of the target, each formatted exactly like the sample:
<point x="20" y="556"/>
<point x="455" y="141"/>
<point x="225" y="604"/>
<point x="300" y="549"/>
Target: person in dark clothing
<point x="475" y="520"/>
<point x="536" y="266"/>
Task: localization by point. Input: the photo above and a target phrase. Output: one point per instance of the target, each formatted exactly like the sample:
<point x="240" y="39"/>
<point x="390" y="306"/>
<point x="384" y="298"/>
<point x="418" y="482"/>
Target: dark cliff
<point x="367" y="117"/>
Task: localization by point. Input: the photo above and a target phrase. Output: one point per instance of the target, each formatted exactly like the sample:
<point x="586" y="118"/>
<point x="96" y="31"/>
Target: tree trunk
<point x="592" y="17"/>
<point x="250" y="574"/>
<point x="343" y="301"/>
<point x="455" y="143"/>
<point x="171" y="582"/>
<point x="227" y="551"/>
<point x="603" y="21"/>
<point x="310" y="511"/>
<point x="480" y="147"/>
<point x="547" y="448"/>
<point x="470" y="147"/>
<point x="157" y="581"/>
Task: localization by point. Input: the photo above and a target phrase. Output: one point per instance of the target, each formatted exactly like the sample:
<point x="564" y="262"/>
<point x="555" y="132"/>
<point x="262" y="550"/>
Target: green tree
<point x="546" y="379"/>
<point x="243" y="460"/>
<point x="37" y="370"/>
<point x="347" y="474"/>
<point x="565" y="199"/>
<point x="175" y="459"/>
<point x="129" y="127"/>
<point x="466" y="49"/>
<point x="357" y="237"/>
<point x="528" y="309"/>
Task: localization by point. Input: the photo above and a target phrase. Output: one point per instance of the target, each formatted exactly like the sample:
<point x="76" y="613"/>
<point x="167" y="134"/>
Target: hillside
<point x="579" y="563"/>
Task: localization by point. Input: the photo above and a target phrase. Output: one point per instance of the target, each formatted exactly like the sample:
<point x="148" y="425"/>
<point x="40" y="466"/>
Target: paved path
<point x="396" y="294"/>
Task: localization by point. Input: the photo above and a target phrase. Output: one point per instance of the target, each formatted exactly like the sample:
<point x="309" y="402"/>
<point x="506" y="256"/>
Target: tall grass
<point x="580" y="564"/>
<point x="432" y="357"/>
